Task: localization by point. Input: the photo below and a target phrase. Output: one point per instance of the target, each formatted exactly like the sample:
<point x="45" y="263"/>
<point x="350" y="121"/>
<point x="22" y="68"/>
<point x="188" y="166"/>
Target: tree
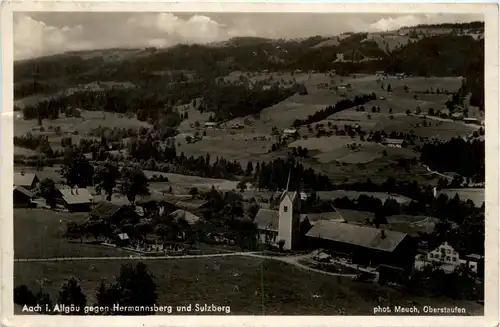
<point x="390" y="111"/>
<point x="43" y="300"/>
<point x="389" y="88"/>
<point x="252" y="210"/>
<point x="136" y="287"/>
<point x="23" y="296"/>
<point x="49" y="192"/>
<point x="76" y="170"/>
<point x="281" y="244"/>
<point x="193" y="191"/>
<point x="135" y="183"/>
<point x="71" y="294"/>
<point x="105" y="179"/>
<point x="242" y="185"/>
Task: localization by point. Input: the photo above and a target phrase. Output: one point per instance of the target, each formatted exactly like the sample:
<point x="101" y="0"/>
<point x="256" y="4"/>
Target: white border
<point x="490" y="12"/>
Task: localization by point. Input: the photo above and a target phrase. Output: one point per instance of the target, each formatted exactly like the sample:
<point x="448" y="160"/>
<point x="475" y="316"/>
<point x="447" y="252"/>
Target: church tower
<point x="289" y="217"/>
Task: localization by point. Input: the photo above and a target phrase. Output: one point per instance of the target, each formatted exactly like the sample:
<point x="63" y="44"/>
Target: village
<point x="326" y="175"/>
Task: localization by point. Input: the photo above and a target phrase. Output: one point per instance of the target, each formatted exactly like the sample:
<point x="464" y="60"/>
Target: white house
<point x="395" y="143"/>
<point x="444" y="254"/>
<point x="447" y="256"/>
<point x="210" y="125"/>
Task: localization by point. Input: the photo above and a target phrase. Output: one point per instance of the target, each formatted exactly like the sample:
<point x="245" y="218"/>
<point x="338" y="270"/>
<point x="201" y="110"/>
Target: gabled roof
<point x="267" y="220"/>
<point x="24" y="179"/>
<point x="105" y="210"/>
<point x="123" y="236"/>
<point x="76" y="195"/>
<point x="367" y="237"/>
<point x="315" y="217"/>
<point x="191" y="204"/>
<point x="23" y="191"/>
<point x="183" y="214"/>
<point x="291" y="195"/>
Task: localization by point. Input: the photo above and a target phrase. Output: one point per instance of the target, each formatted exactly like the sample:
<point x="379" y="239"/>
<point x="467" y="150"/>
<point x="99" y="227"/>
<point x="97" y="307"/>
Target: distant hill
<point x="449" y="53"/>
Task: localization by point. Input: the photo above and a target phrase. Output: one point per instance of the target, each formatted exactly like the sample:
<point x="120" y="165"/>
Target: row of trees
<point x="134" y="286"/>
<point x="466" y="158"/>
<point x="341" y="105"/>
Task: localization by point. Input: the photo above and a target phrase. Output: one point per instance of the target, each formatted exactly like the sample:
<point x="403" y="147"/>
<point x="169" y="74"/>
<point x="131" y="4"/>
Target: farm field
<point x="334" y="149"/>
<point x="475" y="194"/>
<point x="182" y="183"/>
<point x="354" y="195"/>
<point x="89" y="121"/>
<point x="38" y="233"/>
<point x="241" y="145"/>
<point x="234" y="282"/>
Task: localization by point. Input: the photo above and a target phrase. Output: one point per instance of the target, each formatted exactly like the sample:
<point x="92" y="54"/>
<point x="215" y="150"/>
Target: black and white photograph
<point x="249" y="164"/>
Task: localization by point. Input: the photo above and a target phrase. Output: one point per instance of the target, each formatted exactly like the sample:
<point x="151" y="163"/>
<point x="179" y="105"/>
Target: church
<point x="286" y="227"/>
<point x="282" y="225"/>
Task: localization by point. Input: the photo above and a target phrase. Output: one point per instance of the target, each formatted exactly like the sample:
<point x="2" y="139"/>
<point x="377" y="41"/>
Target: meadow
<point x="38" y="233"/>
<point x="235" y="282"/>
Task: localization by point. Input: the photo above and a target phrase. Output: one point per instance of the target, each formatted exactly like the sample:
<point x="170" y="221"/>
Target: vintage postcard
<point x="249" y="164"/>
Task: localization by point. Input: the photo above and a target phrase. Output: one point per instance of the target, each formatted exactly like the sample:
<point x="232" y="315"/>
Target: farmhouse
<point x="110" y="211"/>
<point x="26" y="180"/>
<point x="395" y="143"/>
<point x="447" y="256"/>
<point x="75" y="199"/>
<point x="290" y="132"/>
<point x="122" y="239"/>
<point x="211" y="125"/>
<point x="22" y="197"/>
<point x="364" y="245"/>
<point x="189" y="217"/>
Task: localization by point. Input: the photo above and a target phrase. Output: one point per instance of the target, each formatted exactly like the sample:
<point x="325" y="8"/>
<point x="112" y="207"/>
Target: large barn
<point x="362" y="244"/>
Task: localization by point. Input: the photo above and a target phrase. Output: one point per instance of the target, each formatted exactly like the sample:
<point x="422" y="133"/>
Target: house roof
<point x="267" y="220"/>
<point x="315" y="217"/>
<point x="183" y="214"/>
<point x="367" y="237"/>
<point x="76" y="195"/>
<point x="191" y="204"/>
<point x="290" y="131"/>
<point x="23" y="191"/>
<point x="473" y="256"/>
<point x="123" y="236"/>
<point x="24" y="179"/>
<point x="395" y="141"/>
<point x="105" y="210"/>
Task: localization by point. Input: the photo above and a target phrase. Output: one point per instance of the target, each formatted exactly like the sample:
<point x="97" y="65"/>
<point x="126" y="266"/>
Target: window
<point x="448" y="258"/>
<point x="431" y="255"/>
<point x="285" y="208"/>
<point x="454" y="259"/>
<point x="448" y="251"/>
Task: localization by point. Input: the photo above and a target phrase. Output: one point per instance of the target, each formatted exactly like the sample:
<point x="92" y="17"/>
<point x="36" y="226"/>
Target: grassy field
<point x="182" y="183"/>
<point x="89" y="121"/>
<point x="38" y="234"/>
<point x="235" y="282"/>
<point x="334" y="149"/>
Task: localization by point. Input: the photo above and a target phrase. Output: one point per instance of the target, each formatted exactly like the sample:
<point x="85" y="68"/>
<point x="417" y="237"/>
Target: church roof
<point x="292" y="195"/>
<point x="267" y="220"/>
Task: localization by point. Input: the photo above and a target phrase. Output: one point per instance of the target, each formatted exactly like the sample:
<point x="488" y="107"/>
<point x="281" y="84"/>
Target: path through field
<point x="293" y="260"/>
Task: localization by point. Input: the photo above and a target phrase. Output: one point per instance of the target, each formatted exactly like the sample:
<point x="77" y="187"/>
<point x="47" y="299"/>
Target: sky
<point x="39" y="34"/>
